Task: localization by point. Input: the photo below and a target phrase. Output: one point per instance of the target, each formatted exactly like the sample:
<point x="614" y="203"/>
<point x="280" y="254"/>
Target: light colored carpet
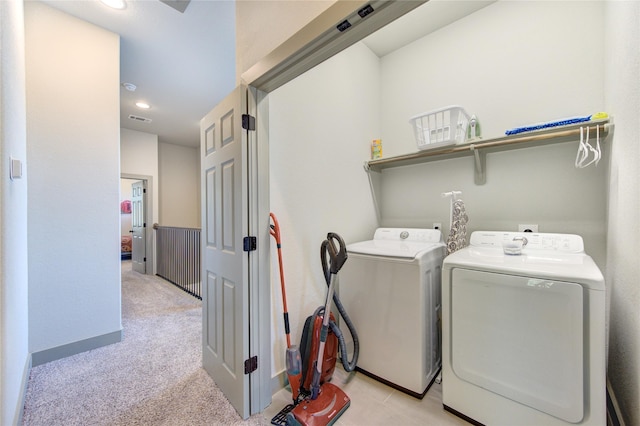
<point x="154" y="376"/>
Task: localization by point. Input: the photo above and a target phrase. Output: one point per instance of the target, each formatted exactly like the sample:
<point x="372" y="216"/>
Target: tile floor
<point x="373" y="403"/>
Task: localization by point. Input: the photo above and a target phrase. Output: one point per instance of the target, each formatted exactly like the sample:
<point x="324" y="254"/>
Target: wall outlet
<point x="437" y="225"/>
<point x="528" y="228"/>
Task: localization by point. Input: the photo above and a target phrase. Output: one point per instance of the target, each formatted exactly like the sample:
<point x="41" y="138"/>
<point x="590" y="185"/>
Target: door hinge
<point x="251" y="365"/>
<point x="144" y="225"/>
<point x="248" y="122"/>
<point x="249" y="243"/>
<point x="144" y="260"/>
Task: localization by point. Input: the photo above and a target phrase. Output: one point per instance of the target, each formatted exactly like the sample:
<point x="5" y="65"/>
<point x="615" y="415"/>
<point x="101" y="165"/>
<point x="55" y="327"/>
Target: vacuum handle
<point x="337" y="254"/>
<point x="324" y="331"/>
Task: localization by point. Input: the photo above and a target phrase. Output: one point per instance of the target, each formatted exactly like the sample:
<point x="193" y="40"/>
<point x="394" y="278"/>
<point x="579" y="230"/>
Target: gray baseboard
<point x="59" y="352"/>
<point x="279" y="381"/>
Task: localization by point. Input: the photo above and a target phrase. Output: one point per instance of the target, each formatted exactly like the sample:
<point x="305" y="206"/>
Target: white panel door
<point x="225" y="278"/>
<point x="138" y="227"/>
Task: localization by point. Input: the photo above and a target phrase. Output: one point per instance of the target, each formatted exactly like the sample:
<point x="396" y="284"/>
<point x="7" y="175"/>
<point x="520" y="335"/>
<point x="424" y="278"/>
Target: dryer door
<point x="521" y="338"/>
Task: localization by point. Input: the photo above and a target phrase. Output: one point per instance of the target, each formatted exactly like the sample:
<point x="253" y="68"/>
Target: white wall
<point x="14" y="321"/>
<point x="499" y="65"/>
<point x="622" y="59"/>
<point x="73" y="115"/>
<point x="319" y="136"/>
<point x="179" y="173"/>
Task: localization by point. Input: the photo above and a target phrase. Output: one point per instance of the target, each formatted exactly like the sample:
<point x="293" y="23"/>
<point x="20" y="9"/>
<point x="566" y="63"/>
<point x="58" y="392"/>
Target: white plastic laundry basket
<point x="441" y="127"/>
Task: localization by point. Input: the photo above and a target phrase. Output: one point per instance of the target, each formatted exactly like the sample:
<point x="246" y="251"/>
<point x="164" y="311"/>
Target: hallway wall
<point x="179" y="187"/>
<point x="73" y="118"/>
<point x="14" y="320"/>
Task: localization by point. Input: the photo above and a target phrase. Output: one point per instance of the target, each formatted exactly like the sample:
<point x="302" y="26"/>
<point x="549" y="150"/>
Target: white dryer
<point x="524" y="334"/>
<point x="390" y="288"/>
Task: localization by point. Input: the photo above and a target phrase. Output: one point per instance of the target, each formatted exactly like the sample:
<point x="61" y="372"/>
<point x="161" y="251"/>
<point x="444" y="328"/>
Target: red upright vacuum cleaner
<point x="327" y="402"/>
<point x="303" y="362"/>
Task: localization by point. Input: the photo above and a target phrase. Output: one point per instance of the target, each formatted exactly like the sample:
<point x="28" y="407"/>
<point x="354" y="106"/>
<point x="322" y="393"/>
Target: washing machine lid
<point x="408" y="243"/>
<point x="551" y="256"/>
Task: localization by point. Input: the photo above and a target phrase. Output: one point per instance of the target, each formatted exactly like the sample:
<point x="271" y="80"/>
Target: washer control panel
<point x="408" y="234"/>
<point x="568" y="243"/>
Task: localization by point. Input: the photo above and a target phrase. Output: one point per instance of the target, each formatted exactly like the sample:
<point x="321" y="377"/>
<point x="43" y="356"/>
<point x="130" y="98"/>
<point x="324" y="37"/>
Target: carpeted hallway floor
<point x="152" y="377"/>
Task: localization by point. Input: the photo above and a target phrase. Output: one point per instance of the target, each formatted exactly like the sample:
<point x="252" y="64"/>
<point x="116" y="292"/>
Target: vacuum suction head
<point x="322" y="411"/>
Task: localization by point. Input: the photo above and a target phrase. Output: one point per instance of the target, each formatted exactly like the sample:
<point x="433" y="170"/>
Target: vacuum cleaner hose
<point x="349" y="365"/>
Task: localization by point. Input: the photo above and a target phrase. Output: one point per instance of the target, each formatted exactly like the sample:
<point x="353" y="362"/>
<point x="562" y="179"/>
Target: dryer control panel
<point x="567" y="243"/>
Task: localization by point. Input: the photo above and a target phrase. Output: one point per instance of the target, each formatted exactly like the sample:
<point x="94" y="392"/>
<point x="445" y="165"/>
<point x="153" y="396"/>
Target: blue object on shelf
<point x="540" y="126"/>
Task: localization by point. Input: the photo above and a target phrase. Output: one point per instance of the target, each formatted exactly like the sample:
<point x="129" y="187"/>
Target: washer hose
<point x="349" y="366"/>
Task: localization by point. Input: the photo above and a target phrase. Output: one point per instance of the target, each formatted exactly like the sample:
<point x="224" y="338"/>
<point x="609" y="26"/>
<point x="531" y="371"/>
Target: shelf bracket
<point x="374" y="182"/>
<point x="479" y="165"/>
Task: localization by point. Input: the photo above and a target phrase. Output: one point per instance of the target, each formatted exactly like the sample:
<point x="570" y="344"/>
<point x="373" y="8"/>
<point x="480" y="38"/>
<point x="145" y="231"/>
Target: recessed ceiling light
<point x="116" y="4"/>
<point x="143" y="105"/>
<point x="129" y="86"/>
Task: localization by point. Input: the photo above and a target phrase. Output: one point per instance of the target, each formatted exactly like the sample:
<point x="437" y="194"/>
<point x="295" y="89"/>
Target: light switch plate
<point x="15" y="169"/>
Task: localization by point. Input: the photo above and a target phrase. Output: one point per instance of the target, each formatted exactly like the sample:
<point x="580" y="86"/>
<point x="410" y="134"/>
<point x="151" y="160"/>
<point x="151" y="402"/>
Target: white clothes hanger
<point x="592" y="150"/>
<point x="585" y="149"/>
<point x="598" y="144"/>
<point x="582" y="150"/>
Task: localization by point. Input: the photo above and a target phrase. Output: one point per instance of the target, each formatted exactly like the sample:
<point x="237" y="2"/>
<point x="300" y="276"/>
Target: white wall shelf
<point x="479" y="148"/>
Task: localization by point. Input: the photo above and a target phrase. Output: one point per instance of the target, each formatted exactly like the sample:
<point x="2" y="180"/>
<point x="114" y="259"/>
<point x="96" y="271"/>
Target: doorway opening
<point x="136" y="218"/>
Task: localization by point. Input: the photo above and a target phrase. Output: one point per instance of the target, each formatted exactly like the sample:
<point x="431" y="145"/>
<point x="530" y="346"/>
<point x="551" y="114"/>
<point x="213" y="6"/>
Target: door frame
<point x="261" y="385"/>
<point x="150" y="249"/>
<point x="319" y="40"/>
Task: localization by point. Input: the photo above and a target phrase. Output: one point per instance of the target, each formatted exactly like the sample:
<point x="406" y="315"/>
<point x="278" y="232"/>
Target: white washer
<point x="524" y="335"/>
<point x="390" y="288"/>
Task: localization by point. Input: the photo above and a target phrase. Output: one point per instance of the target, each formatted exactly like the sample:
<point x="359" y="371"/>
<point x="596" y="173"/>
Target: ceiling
<point x="421" y="21"/>
<point x="183" y="63"/>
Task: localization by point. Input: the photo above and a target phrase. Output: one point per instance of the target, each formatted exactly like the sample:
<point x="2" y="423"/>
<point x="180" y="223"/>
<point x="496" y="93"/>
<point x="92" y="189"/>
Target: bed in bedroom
<point x="125" y="247"/>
